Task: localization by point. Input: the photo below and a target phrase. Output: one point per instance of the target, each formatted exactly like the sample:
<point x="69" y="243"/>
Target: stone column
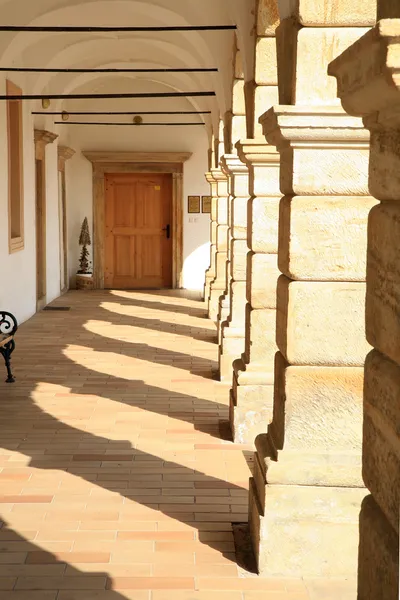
<point x="369" y="86"/>
<point x="234" y="125"/>
<point x="218" y="285"/>
<point x="232" y="329"/>
<point x="224" y="299"/>
<point x="210" y="273"/>
<point x="307" y="485"/>
<point x="252" y="392"/>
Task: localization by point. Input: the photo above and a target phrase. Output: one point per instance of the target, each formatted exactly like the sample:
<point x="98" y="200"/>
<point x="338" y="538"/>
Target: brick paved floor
<point x="114" y="481"/>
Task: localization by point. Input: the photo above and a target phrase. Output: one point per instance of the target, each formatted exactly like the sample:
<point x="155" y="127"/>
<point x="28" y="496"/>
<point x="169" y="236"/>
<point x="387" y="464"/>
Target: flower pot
<point x="84" y="281"/>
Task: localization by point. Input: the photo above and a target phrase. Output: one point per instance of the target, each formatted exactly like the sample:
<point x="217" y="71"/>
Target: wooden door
<point x="138" y="244"/>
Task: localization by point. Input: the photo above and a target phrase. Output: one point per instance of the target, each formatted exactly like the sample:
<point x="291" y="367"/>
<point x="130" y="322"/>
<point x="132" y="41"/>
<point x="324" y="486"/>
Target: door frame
<point x="136" y="162"/>
<point x="41" y="139"/>
<point x="64" y="154"/>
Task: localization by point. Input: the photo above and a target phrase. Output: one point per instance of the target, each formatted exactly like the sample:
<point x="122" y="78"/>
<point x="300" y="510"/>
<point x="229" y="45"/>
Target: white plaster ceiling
<point x="130" y="50"/>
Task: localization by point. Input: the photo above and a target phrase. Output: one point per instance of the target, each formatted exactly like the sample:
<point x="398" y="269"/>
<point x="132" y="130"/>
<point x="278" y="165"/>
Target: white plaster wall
<point x="79" y="205"/>
<point x="18" y="270"/>
<point x="196" y="227"/>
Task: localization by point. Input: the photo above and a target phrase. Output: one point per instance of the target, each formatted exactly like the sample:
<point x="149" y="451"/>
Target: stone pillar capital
<point x="64" y="154"/>
<point x="232" y="165"/>
<point x="367" y="75"/>
<point x="315" y="144"/>
<point x="218" y="175"/>
<point x="369" y="85"/>
<point x="44" y="137"/>
<point x="257" y="153"/>
<point x="209" y="177"/>
<point x="315" y="126"/>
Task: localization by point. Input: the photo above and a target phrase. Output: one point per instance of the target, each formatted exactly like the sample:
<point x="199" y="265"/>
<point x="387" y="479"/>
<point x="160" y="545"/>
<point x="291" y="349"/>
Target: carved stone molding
<point x="64" y="154"/>
<point x="42" y="138"/>
<point x="100" y="156"/>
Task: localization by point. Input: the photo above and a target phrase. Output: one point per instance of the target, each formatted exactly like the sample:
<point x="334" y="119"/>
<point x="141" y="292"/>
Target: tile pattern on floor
<point x="114" y="481"/>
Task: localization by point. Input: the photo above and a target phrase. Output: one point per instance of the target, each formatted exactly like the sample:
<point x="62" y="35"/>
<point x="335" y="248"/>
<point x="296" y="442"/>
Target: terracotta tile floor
<point x="114" y="481"/>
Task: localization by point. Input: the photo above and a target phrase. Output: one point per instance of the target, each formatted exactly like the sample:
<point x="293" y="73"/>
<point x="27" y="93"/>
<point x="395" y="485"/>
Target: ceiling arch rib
<point x="191" y="49"/>
<point x="113" y="54"/>
<point x="92" y="83"/>
<point x="200" y="46"/>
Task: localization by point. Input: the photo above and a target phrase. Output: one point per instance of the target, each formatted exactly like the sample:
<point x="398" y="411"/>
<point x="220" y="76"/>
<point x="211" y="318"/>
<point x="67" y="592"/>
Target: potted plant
<point x="84" y="276"/>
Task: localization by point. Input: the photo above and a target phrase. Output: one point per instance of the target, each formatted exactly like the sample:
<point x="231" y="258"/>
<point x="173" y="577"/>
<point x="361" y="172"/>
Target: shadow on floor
<point x="31" y="563"/>
<point x="120" y="318"/>
<point x="25" y="428"/>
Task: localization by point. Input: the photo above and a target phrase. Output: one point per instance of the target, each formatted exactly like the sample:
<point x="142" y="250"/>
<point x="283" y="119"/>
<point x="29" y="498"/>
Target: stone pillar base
<point x="223" y="313"/>
<point x="251" y="401"/>
<point x="306" y="531"/>
<point x="233" y="331"/>
<point x="213" y="302"/>
<point x="231" y="346"/>
<point x="207" y="286"/>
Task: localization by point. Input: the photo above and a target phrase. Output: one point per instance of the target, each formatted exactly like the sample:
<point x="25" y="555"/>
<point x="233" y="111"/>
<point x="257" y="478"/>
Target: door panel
<point x="137" y="251"/>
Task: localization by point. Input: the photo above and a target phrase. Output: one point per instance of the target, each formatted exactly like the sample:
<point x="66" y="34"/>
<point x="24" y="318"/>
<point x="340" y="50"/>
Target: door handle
<point x="168" y="230"/>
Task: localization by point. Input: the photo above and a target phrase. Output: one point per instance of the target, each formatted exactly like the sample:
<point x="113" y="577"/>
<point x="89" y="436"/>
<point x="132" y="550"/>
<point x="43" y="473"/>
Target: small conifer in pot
<point x="84" y="241"/>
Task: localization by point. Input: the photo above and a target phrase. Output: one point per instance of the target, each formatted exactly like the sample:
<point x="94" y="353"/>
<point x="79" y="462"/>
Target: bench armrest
<point x="8" y="323"/>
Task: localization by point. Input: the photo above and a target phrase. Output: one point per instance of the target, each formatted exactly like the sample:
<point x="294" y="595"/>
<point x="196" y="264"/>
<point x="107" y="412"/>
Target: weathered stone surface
<point x="381" y="460"/>
<point x="264" y="178"/>
<point x="257" y="99"/>
<point x="237" y="308"/>
<point x="385" y="163"/>
<point x="263" y="225"/>
<point x="239" y="218"/>
<point x="383" y="274"/>
<point x="311" y="404"/>
<point x="316" y="550"/>
<point x="260" y="342"/>
<point x="266" y="62"/>
<point x="238" y="129"/>
<point x="365" y="73"/>
<point x="239" y="74"/>
<point x="323" y="150"/>
<point x="330" y="12"/>
<point x="264" y="97"/>
<point x="252" y="393"/>
<point x="238" y="104"/>
<point x="378" y="573"/>
<point x="250" y="410"/>
<point x="222" y="240"/>
<point x="239" y="261"/>
<point x="299" y="54"/>
<point x="321" y="323"/>
<point x="218" y="284"/>
<point x="210" y="273"/>
<point x="262" y="279"/>
<point x="324" y="238"/>
<point x="232" y="309"/>
<point x="267" y="17"/>
<point x="230" y="348"/>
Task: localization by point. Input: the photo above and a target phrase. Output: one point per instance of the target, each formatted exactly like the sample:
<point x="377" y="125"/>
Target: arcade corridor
<point x="115" y="481"/>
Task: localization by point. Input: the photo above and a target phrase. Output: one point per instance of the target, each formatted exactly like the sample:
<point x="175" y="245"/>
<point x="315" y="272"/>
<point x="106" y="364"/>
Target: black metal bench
<point x="8" y="328"/>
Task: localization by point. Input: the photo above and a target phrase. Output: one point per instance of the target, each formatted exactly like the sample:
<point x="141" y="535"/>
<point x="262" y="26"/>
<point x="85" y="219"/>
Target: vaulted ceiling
<point x="194" y="49"/>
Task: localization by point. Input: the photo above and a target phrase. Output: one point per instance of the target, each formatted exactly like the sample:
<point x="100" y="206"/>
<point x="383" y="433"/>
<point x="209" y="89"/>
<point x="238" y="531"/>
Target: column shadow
<point x="32" y="562"/>
<point x="41" y="358"/>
